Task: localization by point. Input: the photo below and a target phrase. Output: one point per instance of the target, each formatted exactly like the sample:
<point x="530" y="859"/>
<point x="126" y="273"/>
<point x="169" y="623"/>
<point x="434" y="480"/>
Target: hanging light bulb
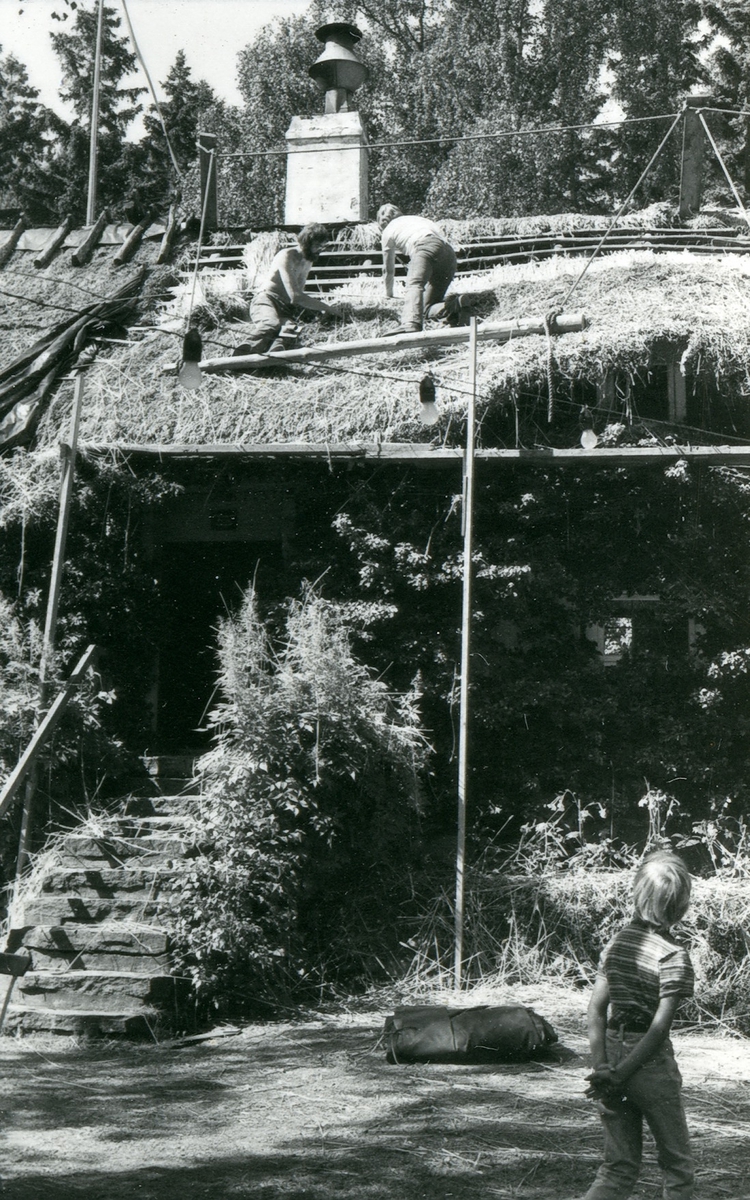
<point x="588" y="437"/>
<point x="430" y="414"/>
<point x="189" y="372"/>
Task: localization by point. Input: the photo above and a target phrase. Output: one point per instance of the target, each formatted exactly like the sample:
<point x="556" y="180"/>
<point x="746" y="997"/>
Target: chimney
<point x="326" y="176"/>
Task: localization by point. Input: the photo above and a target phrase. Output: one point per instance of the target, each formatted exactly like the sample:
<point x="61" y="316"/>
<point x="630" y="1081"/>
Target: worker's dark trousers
<point x="267" y="315"/>
<point x="431" y="269"/>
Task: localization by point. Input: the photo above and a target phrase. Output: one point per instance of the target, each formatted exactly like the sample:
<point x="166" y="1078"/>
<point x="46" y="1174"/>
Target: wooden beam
<point x="14" y="238"/>
<point x="45" y="256"/>
<point x="133" y="240"/>
<point x="47" y="725"/>
<point x="169" y="235"/>
<point x="410" y="452"/>
<point x="83" y="252"/>
<point x="14" y="964"/>
<point x="501" y="331"/>
<point x="693" y="148"/>
<point x="676" y="392"/>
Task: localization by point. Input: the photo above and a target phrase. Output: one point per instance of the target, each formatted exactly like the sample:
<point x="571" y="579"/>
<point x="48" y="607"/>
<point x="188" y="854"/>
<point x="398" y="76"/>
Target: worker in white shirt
<point x="432" y="264"/>
<point x="283" y="290"/>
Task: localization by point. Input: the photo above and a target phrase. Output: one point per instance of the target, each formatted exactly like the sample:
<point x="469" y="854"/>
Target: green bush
<point x="307" y="816"/>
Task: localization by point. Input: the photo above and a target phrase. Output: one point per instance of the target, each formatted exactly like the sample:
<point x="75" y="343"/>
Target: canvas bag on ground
<point x="434" y="1034"/>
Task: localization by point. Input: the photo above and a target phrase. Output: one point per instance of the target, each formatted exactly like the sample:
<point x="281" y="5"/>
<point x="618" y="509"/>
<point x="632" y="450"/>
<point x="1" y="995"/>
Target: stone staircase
<point x="93" y="916"/>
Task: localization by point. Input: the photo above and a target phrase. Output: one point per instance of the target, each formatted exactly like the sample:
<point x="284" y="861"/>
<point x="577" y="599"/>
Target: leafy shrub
<point x="307" y="814"/>
<point x="20" y="651"/>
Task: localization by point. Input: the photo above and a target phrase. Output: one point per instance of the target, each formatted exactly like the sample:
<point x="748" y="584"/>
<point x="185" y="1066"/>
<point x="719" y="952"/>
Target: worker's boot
<point x="286" y="339"/>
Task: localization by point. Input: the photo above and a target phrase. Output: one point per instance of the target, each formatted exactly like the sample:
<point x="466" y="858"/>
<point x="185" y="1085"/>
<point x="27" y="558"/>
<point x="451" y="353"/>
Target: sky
<point x="211" y="32"/>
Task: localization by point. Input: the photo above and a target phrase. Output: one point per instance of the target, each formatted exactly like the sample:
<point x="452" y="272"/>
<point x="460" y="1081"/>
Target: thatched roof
<point x="636" y="300"/>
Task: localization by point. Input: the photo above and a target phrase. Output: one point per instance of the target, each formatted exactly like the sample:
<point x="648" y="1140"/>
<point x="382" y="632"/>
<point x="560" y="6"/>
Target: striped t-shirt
<point x="643" y="966"/>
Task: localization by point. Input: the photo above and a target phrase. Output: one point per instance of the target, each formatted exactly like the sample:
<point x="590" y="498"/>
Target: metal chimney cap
<point x="339" y="30"/>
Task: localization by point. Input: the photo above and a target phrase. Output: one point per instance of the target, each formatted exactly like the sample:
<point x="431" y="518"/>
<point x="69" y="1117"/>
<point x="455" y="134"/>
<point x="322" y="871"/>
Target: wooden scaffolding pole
<point x="463" y="717"/>
<point x="94" y="132"/>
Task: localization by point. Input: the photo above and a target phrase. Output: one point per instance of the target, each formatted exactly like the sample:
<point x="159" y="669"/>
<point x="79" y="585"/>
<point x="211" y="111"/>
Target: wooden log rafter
<point x="170" y="233"/>
<point x="83" y="252"/>
<point x="45" y="256"/>
<point x="12" y="241"/>
<point x="500" y="331"/>
<point x="133" y="240"/>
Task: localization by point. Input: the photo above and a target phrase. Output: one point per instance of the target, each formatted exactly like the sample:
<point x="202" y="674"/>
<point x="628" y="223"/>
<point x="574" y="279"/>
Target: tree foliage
<point x="182" y="112"/>
<point x="730" y="78"/>
<point x="440" y="72"/>
<point x="555" y="550"/>
<point x="27" y="129"/>
<point x="118" y="107"/>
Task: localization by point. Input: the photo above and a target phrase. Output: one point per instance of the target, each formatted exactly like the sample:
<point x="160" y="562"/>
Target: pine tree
<point x="656" y="61"/>
<point x="729" y="67"/>
<point x="26" y="130"/>
<point x="119" y="162"/>
<point x="186" y="101"/>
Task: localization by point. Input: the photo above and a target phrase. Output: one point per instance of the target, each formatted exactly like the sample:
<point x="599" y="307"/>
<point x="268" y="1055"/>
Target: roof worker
<point x="432" y="264"/>
<point x="283" y="291"/>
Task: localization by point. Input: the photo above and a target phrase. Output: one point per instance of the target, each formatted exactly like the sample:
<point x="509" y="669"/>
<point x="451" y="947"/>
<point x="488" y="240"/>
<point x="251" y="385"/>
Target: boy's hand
<point x="604" y="1083"/>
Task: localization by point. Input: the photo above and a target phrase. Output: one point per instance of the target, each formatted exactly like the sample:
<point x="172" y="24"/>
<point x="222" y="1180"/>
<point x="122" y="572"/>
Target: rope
<point x="465" y="137"/>
<point x="729" y="179"/>
<point x="201" y="233"/>
<point x="549" y="323"/>
<point x="624" y="205"/>
<point x="142" y="61"/>
<point x="727" y="112"/>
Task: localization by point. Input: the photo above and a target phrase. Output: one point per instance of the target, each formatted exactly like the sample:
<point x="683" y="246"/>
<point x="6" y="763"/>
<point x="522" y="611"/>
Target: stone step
<point x="140" y="1022"/>
<point x="105" y="947"/>
<point x="142" y="877"/>
<point x="131" y="825"/>
<point x="166" y="769"/>
<point x="100" y="991"/>
<point x="59" y="909"/>
<point x="116" y="850"/>
<point x="146" y="806"/>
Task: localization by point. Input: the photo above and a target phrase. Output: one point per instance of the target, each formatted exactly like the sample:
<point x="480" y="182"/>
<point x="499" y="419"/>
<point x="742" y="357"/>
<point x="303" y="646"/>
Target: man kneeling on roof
<point x="432" y="265"/>
<point x="283" y="291"/>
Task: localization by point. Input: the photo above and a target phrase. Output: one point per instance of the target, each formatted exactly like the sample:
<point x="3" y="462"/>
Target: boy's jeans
<point x="654" y="1092"/>
<point x="431" y="270"/>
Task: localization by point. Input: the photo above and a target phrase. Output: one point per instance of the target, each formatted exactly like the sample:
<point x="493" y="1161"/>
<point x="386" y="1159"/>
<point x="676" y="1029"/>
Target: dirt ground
<point x="311" y="1110"/>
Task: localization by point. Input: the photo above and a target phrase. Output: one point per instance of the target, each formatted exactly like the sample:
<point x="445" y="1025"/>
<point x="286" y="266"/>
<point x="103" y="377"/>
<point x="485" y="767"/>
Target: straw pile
<point x="528" y="929"/>
<point x="635" y="300"/>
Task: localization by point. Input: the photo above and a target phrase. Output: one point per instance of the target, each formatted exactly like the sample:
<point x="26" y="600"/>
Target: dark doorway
<point x="200" y="581"/>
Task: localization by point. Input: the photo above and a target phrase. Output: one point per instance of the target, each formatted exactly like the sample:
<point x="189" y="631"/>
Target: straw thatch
<point x="636" y="301"/>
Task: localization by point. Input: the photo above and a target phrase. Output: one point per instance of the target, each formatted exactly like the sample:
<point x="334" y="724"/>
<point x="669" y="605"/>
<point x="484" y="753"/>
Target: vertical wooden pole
<point x="468" y="532"/>
<point x="94" y="132"/>
<point x="209" y="188"/>
<point x="693" y="147"/>
<point x="50" y="625"/>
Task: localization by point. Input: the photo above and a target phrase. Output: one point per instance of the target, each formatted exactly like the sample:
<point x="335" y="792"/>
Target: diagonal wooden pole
<point x="50" y="625"/>
<point x="463" y="758"/>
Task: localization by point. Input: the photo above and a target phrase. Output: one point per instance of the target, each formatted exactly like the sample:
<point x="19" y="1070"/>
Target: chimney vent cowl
<point x="339" y="71"/>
